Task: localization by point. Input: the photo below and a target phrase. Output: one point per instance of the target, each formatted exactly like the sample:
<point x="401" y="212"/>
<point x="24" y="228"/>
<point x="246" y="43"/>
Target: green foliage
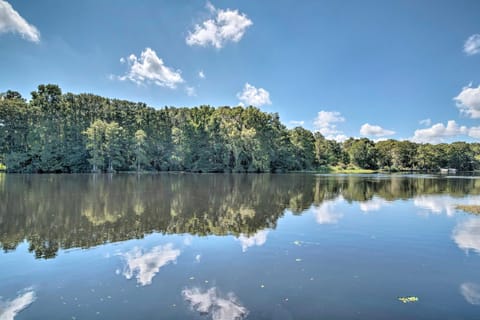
<point x="56" y="132"/>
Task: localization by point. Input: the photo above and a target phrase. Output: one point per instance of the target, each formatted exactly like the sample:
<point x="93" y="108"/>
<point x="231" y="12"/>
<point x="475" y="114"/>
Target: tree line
<point x="56" y="132"/>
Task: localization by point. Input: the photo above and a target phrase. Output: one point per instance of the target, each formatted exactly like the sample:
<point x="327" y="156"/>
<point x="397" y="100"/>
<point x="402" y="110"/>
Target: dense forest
<point x="55" y="132"/>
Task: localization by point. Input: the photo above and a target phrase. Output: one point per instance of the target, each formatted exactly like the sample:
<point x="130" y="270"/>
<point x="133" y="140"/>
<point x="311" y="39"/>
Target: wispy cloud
<point x="375" y="131"/>
<point x="201" y="74"/>
<point x="10" y="308"/>
<point x="426" y="122"/>
<point x="296" y="123"/>
<point x="251" y="96"/>
<point x="149" y="68"/>
<point x="12" y="21"/>
<point x="191" y="92"/>
<point x="224" y="26"/>
<point x="212" y="303"/>
<point x="471" y="292"/>
<point x="472" y="45"/>
<point x="145" y="265"/>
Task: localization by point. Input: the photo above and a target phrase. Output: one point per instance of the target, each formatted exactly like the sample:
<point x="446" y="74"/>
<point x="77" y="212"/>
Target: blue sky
<point x="346" y="68"/>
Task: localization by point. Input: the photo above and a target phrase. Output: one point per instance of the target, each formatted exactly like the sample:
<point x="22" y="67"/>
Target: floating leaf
<point x="410" y="299"/>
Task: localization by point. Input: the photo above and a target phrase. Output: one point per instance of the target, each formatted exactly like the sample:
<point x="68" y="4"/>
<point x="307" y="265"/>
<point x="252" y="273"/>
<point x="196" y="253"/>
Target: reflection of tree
<point x="66" y="211"/>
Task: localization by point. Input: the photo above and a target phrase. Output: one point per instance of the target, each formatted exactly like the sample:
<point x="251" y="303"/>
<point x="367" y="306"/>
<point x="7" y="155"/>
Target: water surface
<point x="185" y="246"/>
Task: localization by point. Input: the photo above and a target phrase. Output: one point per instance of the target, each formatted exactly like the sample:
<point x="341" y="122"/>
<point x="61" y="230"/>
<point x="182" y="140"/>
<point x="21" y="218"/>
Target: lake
<point x="226" y="246"/>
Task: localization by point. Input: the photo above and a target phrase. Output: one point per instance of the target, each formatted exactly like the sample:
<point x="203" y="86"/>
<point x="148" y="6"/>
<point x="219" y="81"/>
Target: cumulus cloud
<point x="11" y="21"/>
<point x="472" y="45"/>
<point x="225" y="26"/>
<point x="10" y="308"/>
<point x="426" y="122"/>
<point x="145" y="265"/>
<point x="252" y="96"/>
<point x="471" y="292"/>
<point x="201" y="74"/>
<point x="258" y="239"/>
<point x="326" y="213"/>
<point x="326" y="124"/>
<point x="468" y="101"/>
<point x="212" y="303"/>
<point x="439" y="132"/>
<point x="467" y="235"/>
<point x="149" y="68"/>
<point x="374" y="130"/>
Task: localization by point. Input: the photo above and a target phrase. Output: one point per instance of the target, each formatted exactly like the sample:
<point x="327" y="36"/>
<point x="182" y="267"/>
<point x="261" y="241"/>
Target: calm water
<point x="181" y="246"/>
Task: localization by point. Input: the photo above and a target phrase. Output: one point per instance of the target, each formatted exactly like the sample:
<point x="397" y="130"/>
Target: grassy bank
<point x="473" y="209"/>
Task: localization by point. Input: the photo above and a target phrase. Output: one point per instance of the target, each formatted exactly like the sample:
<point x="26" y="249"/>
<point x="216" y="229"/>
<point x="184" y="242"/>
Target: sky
<point x="379" y="69"/>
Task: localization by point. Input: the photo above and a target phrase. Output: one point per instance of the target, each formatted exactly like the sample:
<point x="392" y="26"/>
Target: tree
<point x="140" y="148"/>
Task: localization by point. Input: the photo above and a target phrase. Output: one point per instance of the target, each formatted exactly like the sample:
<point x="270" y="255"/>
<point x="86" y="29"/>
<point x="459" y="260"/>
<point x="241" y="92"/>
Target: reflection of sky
<point x="145" y="265"/>
<point x="467" y="234"/>
<point x="10" y="308"/>
<point x="374" y="204"/>
<point x="212" y="303"/>
<point x="471" y="292"/>
<point x="327" y="213"/>
<point x="439" y="204"/>
<point x="258" y="239"/>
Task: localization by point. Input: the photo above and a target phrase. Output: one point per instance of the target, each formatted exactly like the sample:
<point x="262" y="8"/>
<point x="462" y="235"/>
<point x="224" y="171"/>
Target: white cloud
<point x="11" y="21"/>
<point x="212" y="303"/>
<point x="468" y="101"/>
<point x="325" y="123"/>
<point x="149" y="68"/>
<point x="10" y="308"/>
<point x="191" y="92"/>
<point x="376" y="131"/>
<point x="439" y="132"/>
<point x="472" y="45"/>
<point x="474" y="132"/>
<point x="257" y="239"/>
<point x="426" y="122"/>
<point x="122" y="60"/>
<point x="467" y="235"/>
<point x="252" y="96"/>
<point x="201" y="74"/>
<point x="145" y="265"/>
<point x="471" y="292"/>
<point x="226" y="25"/>
<point x="326" y="213"/>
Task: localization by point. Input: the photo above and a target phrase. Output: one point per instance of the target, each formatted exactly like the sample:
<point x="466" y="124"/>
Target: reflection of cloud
<point x="467" y="235"/>
<point x="471" y="292"/>
<point x="374" y="204"/>
<point x="10" y="308"/>
<point x="442" y="203"/>
<point x="146" y="264"/>
<point x="258" y="239"/>
<point x="326" y="214"/>
<point x="210" y="302"/>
